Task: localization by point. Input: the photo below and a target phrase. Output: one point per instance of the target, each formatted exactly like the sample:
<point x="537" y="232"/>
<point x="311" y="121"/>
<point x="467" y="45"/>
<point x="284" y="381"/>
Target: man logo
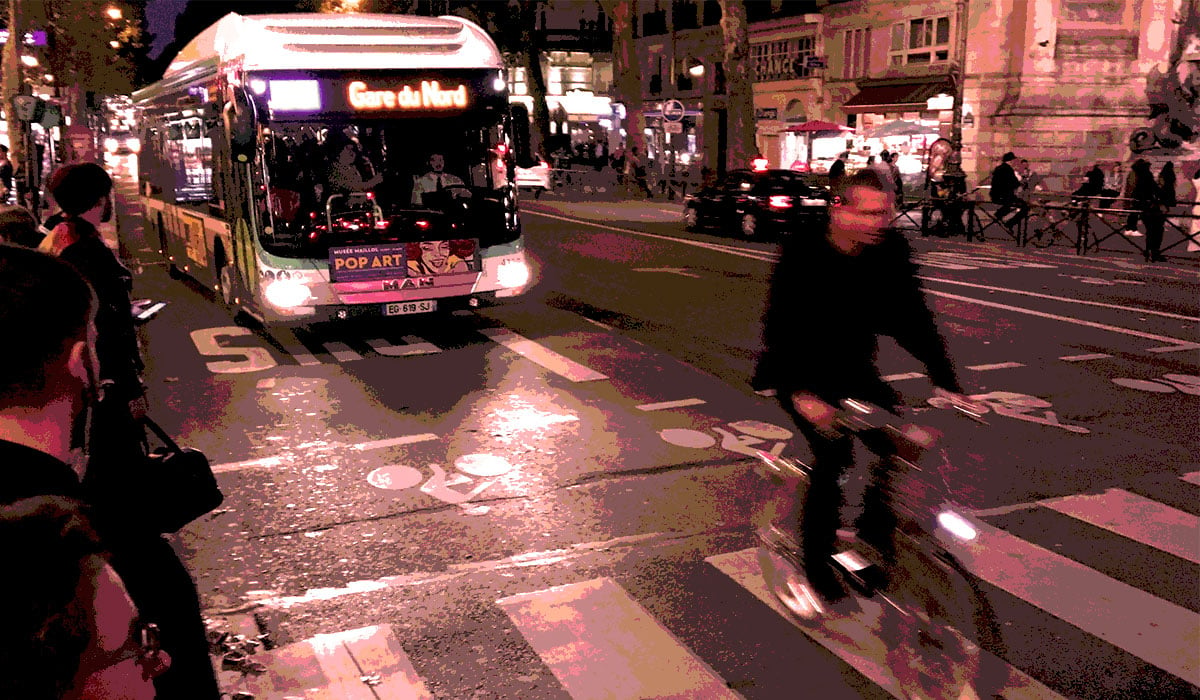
<point x="407" y="283"/>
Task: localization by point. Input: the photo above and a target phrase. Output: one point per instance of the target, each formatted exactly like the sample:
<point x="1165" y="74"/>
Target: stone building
<point x="1063" y="83"/>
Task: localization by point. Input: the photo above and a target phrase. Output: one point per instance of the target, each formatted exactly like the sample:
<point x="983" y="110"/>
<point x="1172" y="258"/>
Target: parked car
<point x="758" y="204"/>
<point x="536" y="178"/>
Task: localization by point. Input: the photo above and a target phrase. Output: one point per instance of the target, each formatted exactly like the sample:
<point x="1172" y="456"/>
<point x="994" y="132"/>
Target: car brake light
<point x="779" y="201"/>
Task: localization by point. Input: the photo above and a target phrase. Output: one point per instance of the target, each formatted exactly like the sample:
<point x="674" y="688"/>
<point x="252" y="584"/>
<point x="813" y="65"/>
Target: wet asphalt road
<point x="423" y="491"/>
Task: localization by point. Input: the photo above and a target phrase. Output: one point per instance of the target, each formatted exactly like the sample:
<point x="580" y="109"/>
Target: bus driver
<point x="437" y="180"/>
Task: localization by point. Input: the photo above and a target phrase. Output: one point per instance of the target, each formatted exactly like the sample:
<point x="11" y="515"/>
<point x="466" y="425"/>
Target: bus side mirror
<point x="240" y="127"/>
<point x="519" y="118"/>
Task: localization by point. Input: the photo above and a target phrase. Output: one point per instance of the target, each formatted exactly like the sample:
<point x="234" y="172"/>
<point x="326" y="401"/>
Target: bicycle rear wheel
<point x="934" y="629"/>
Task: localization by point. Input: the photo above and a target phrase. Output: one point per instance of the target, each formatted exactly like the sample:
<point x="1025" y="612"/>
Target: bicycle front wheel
<point x="934" y="626"/>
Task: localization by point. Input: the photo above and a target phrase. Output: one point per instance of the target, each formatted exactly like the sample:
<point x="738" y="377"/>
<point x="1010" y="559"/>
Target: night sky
<point x="161" y="16"/>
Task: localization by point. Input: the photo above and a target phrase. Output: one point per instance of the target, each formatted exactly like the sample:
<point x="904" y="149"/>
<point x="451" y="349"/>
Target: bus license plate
<point x="402" y="308"/>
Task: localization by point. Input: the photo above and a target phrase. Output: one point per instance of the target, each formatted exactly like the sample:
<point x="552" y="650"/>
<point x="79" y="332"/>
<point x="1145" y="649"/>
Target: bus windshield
<point x="364" y="181"/>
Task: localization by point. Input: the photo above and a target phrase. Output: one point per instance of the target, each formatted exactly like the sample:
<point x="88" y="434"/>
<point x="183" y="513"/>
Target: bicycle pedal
<point x="862" y="574"/>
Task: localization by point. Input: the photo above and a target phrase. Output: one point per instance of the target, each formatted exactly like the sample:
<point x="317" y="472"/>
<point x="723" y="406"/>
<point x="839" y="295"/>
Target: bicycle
<point x="935" y="620"/>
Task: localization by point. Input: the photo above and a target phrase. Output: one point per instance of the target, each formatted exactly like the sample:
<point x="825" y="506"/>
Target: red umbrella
<point x="816" y="125"/>
<point x="813" y="127"/>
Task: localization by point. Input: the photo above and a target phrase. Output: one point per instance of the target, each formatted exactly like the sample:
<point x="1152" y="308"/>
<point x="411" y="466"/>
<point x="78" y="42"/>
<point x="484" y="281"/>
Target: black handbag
<point x="177" y="482"/>
<point x="143" y="490"/>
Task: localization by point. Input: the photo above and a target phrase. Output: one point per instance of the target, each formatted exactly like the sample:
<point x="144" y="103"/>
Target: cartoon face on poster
<point x="442" y="257"/>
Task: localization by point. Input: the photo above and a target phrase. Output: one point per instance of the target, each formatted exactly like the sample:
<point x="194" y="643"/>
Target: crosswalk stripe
<point x="542" y="355"/>
<point x="903" y="376"/>
<point x="856" y="638"/>
<point x="997" y="365"/>
<point x="361" y="664"/>
<point x="1161" y="633"/>
<point x="600" y="643"/>
<point x="1136" y="517"/>
<point x="414" y="345"/>
<point x="343" y="352"/>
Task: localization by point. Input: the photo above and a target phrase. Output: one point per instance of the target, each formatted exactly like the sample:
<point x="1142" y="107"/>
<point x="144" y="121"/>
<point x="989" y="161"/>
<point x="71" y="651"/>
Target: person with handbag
<point x="48" y="388"/>
<point x="83" y="192"/>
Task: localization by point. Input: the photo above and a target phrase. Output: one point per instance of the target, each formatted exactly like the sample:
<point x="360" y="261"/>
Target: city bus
<point x="283" y="159"/>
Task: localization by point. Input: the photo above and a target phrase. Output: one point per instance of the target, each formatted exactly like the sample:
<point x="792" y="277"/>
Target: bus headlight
<point x="286" y="294"/>
<point x="512" y="273"/>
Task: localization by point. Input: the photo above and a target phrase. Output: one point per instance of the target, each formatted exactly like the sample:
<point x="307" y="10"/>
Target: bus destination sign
<point x="428" y="95"/>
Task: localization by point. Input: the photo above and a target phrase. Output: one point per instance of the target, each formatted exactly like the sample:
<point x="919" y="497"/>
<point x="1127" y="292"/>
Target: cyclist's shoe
<point x="825" y="583"/>
<point x="878" y="538"/>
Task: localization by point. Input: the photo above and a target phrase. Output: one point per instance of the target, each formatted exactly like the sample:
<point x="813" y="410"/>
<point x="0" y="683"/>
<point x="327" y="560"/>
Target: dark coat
<point x="116" y="338"/>
<point x="1005" y="183"/>
<point x="825" y="313"/>
<point x="156" y="579"/>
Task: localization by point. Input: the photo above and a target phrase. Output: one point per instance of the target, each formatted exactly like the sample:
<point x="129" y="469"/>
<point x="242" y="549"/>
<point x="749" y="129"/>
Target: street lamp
<point x="695" y="68"/>
<point x="30" y="61"/>
<point x="954" y="176"/>
<point x="114" y="13"/>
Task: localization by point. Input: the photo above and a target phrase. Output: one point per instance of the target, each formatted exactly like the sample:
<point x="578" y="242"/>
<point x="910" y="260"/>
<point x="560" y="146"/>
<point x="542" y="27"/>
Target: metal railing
<point x="1085" y="223"/>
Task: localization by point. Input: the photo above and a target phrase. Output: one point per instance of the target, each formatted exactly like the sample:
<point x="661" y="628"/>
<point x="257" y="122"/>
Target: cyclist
<point x="831" y="296"/>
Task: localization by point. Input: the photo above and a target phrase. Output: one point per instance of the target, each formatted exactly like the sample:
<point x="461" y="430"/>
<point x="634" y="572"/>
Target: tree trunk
<point x="535" y="80"/>
<point x="739" y="83"/>
<point x="627" y="74"/>
<point x="13" y="86"/>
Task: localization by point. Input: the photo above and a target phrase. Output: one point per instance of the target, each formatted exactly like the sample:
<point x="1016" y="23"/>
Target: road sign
<point x="672" y="110"/>
<point x="673" y="127"/>
<point x="814" y="61"/>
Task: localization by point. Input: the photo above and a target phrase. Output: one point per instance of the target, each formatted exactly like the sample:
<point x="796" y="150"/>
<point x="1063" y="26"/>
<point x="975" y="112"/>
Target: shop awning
<point x="896" y="96"/>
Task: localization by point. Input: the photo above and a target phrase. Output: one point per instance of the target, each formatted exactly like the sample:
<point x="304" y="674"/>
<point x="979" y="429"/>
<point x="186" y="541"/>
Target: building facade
<point x="1063" y="83"/>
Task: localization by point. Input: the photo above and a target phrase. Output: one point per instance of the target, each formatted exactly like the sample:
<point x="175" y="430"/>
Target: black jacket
<point x="116" y="338"/>
<point x="1005" y="183"/>
<point x="156" y="579"/>
<point x="825" y="313"/>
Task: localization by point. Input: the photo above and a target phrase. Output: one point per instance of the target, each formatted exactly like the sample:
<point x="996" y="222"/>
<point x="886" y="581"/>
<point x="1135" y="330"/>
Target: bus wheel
<point x="225" y="282"/>
<point x="172" y="270"/>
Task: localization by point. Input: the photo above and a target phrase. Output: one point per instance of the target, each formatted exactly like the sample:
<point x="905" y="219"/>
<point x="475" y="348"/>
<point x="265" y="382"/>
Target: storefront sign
<point x="766" y="113"/>
<point x="673" y="127"/>
<point x="814" y="61"/>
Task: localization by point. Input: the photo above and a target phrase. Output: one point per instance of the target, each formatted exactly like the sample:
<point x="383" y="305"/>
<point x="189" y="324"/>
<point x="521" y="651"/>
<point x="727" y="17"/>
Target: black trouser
<point x="1155" y="222"/>
<point x="1009" y="205"/>
<point x="820" y="512"/>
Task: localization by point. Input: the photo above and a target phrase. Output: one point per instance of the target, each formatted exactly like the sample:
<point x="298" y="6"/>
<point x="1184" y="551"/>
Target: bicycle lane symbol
<point x="746" y="434"/>
<point x="476" y="471"/>
<point x="1022" y="407"/>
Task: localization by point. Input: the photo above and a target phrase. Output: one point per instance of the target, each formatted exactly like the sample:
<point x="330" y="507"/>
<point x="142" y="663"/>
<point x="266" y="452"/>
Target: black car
<point x="757" y="204"/>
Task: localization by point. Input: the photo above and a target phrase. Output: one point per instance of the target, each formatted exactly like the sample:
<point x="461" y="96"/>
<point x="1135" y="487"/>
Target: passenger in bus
<point x="437" y="181"/>
<point x="350" y="171"/>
